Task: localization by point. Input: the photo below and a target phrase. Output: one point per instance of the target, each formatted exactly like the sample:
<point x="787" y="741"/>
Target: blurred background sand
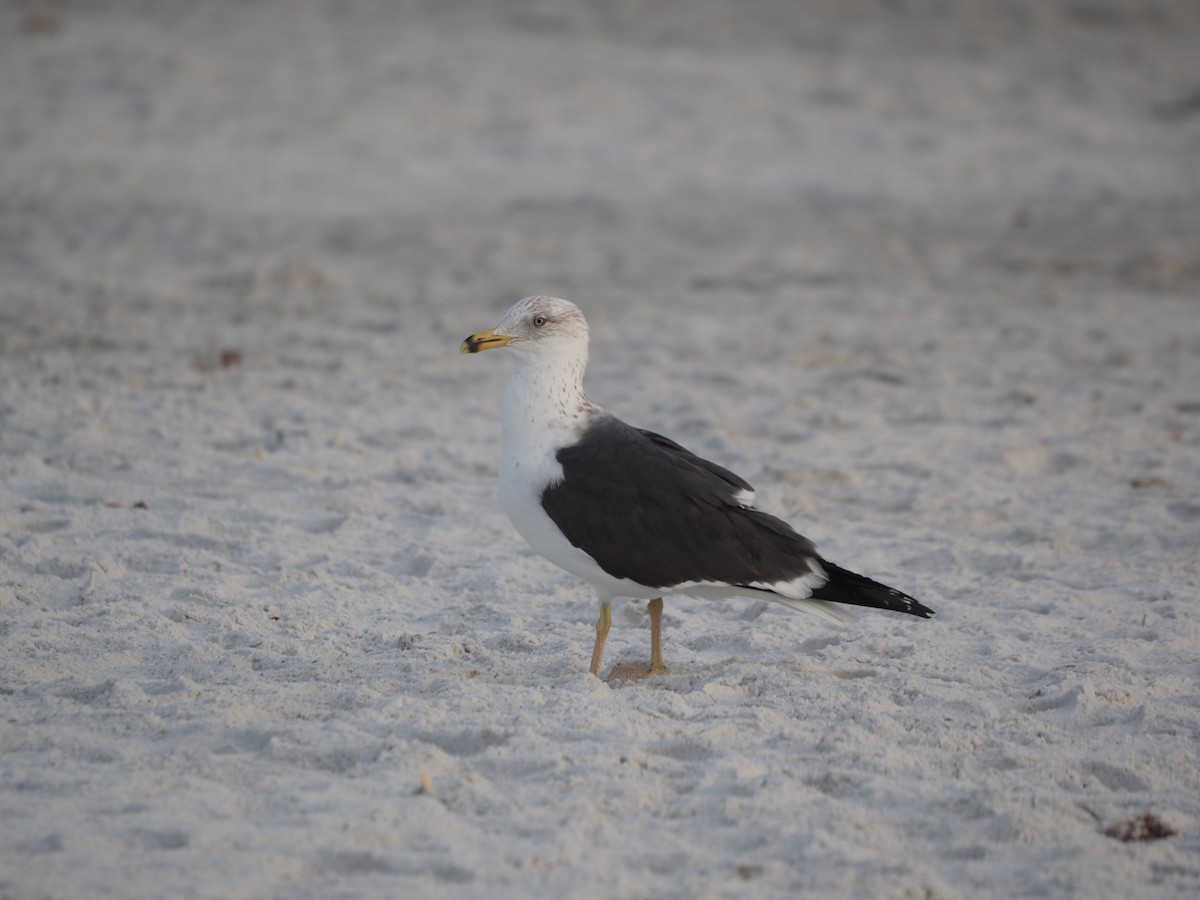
<point x="926" y="273"/>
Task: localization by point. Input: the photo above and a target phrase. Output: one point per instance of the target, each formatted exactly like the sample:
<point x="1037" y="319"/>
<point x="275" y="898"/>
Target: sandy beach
<point x="927" y="275"/>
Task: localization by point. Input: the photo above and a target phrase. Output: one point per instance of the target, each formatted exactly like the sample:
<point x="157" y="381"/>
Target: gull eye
<point x="539" y="321"/>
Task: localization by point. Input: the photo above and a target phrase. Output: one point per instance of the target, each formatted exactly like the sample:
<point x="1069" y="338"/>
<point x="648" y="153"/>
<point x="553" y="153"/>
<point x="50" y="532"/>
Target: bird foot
<point x="633" y="672"/>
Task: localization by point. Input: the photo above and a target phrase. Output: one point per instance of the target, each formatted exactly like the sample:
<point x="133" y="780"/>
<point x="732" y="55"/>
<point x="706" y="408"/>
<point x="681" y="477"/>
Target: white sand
<point x="930" y="279"/>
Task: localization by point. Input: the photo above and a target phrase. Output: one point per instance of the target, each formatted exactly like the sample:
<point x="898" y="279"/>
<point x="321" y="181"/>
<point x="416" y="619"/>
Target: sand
<point x="928" y="275"/>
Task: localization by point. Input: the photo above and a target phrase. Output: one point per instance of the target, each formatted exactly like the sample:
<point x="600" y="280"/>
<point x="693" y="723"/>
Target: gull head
<point x="535" y="327"/>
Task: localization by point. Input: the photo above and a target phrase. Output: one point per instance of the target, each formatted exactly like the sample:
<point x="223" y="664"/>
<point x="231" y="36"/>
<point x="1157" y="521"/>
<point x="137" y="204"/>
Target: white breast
<point x="538" y="418"/>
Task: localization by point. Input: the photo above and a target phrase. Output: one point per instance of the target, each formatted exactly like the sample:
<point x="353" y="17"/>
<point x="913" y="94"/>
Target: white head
<point x="536" y="328"/>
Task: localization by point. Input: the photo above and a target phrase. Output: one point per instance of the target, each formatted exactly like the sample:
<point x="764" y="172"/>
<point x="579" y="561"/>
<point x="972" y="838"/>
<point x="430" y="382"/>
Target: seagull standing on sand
<point x="633" y="513"/>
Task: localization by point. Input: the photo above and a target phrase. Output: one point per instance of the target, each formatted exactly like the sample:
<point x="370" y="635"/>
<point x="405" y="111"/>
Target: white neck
<point x="547" y="391"/>
<point x="543" y="407"/>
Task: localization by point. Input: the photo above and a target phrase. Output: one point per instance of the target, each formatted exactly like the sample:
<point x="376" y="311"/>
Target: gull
<point x="631" y="512"/>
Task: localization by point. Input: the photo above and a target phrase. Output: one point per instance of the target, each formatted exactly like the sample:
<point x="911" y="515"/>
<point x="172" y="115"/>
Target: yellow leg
<point x="636" y="671"/>
<point x="602" y="625"/>
<point x="656" y="660"/>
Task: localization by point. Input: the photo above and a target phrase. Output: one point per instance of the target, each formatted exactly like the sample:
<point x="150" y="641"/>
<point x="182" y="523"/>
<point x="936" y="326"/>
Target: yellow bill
<point x="484" y="340"/>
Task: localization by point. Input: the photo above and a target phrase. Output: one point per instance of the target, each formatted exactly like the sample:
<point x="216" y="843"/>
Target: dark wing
<point x="849" y="587"/>
<point x="731" y="484"/>
<point x="648" y="510"/>
<point x="843" y="585"/>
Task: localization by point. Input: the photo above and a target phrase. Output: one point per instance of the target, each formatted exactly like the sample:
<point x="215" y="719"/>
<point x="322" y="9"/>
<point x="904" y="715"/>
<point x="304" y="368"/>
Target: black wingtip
<point x="853" y="589"/>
